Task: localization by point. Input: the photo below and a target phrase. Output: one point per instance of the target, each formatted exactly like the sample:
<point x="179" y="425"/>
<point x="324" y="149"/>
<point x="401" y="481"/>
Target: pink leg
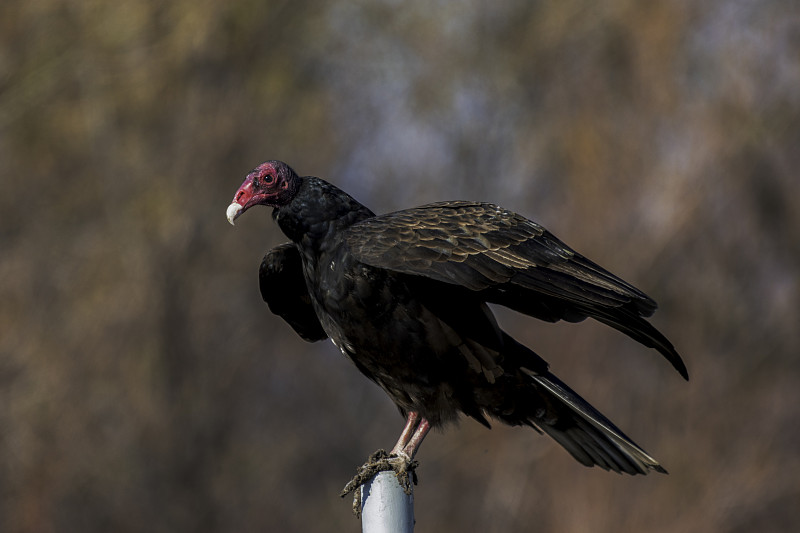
<point x="410" y="449"/>
<point x="411" y="424"/>
<point x="400" y="458"/>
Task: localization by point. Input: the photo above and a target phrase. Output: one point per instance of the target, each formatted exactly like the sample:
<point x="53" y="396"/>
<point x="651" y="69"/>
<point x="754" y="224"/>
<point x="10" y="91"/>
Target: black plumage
<point x="283" y="287"/>
<point x="404" y="296"/>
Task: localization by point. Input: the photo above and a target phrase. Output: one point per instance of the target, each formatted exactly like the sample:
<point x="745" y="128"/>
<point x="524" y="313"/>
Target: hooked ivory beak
<point x="234" y="210"/>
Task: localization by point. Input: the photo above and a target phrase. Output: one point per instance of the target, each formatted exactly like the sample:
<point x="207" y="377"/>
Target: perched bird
<point x="404" y="296"/>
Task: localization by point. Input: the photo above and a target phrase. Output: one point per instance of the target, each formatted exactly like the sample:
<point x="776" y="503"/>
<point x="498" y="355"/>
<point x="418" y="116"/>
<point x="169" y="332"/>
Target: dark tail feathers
<point x="585" y="433"/>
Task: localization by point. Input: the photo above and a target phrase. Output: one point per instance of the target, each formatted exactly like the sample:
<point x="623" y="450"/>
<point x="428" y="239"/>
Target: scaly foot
<point x="381" y="461"/>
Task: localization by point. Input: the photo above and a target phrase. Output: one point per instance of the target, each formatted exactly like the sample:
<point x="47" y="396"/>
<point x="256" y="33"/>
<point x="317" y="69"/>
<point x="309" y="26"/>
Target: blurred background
<point x="144" y="385"/>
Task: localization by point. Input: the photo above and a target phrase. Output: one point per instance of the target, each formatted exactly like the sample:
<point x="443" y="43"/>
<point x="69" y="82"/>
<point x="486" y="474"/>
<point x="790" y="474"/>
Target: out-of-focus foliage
<point x="145" y="387"/>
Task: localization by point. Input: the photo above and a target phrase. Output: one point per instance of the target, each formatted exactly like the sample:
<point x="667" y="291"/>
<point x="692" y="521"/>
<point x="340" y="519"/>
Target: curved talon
<point x="382" y="461"/>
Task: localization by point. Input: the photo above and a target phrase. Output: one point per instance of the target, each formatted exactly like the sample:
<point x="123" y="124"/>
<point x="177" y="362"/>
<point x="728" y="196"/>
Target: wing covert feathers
<point x="480" y="245"/>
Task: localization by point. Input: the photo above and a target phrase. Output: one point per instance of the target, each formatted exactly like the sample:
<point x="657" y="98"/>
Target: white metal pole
<point x="385" y="506"/>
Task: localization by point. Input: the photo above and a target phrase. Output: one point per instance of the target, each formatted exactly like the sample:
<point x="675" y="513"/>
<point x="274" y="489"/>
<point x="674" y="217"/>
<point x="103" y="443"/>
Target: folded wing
<point x="283" y="287"/>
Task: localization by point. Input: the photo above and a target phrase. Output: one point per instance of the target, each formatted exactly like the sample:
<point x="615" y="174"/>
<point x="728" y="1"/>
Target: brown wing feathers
<point x="481" y="246"/>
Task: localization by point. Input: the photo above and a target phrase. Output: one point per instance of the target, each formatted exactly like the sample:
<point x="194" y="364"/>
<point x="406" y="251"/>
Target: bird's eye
<point x="268" y="179"/>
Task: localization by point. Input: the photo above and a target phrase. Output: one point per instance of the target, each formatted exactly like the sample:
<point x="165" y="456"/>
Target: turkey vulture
<point x="404" y="296"/>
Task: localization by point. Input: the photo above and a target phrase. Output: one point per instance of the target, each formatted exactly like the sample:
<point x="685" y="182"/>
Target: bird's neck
<point x="318" y="212"/>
